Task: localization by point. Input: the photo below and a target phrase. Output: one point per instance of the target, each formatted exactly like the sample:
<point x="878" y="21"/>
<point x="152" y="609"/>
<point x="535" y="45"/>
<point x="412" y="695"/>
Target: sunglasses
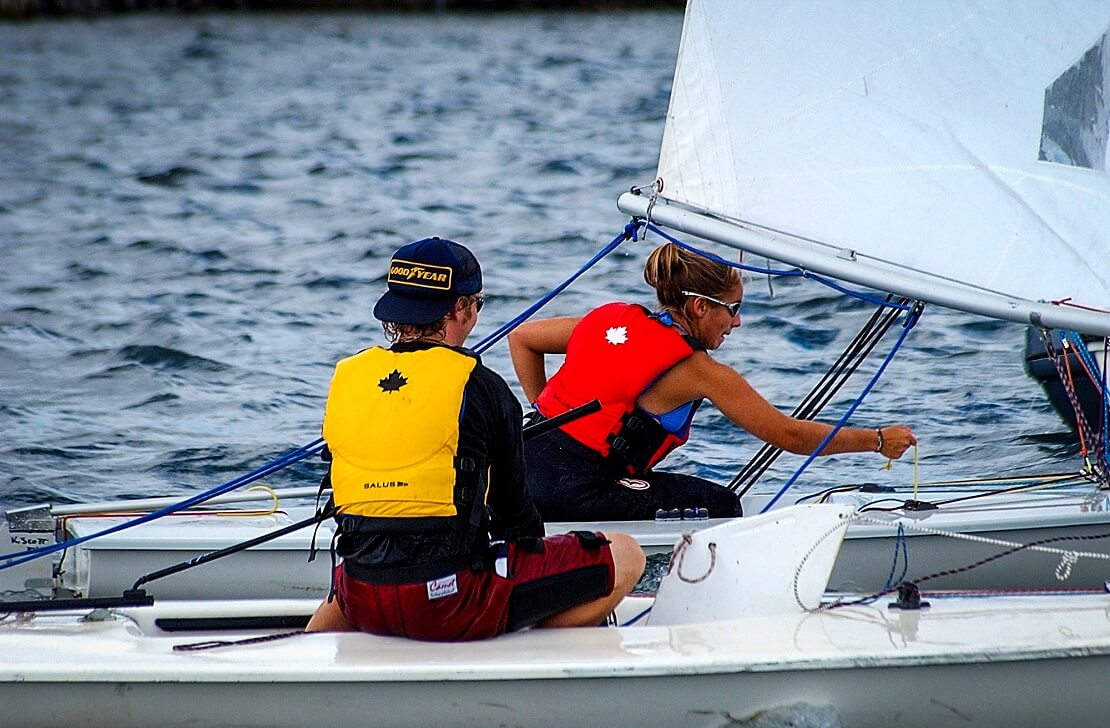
<point x="733" y="308"/>
<point x="479" y="301"/>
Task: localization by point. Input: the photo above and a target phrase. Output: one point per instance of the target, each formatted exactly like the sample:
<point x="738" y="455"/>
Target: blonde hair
<point x="670" y="270"/>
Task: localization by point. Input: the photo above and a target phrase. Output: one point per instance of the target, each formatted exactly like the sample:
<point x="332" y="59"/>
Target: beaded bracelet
<point x="879" y="432"/>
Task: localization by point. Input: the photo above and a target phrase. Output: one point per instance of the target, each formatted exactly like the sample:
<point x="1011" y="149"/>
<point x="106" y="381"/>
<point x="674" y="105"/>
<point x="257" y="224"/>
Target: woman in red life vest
<point x="651" y="370"/>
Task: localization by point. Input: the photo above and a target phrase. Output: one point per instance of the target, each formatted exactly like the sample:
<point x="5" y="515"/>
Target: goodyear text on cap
<point x="405" y="272"/>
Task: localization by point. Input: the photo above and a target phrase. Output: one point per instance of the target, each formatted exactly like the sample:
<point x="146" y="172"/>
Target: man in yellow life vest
<point x="438" y="536"/>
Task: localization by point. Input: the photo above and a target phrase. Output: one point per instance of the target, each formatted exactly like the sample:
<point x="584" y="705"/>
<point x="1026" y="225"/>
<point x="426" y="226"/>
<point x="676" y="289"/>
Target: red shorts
<point x="471" y="605"/>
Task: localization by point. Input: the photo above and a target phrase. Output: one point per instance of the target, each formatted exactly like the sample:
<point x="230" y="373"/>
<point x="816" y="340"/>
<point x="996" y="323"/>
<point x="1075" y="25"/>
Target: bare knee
<point x="628" y="561"/>
<point x="328" y="618"/>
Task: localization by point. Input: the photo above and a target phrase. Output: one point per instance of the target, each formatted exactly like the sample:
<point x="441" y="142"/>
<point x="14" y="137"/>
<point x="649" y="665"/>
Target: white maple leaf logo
<point x="616" y="335"/>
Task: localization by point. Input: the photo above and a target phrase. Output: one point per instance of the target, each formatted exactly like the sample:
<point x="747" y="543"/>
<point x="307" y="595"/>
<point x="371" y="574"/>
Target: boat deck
<point x="1015" y="659"/>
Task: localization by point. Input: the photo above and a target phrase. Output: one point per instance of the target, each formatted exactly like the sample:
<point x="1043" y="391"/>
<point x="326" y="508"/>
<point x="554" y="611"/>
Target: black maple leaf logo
<point x="393" y="382"/>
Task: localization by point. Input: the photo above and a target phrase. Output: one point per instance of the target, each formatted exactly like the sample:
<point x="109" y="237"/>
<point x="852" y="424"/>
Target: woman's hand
<point x="894" y="440"/>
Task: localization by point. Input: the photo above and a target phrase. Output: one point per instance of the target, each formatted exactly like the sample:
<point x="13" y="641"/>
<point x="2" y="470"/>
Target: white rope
<point x="801" y="564"/>
<point x="1068" y="558"/>
<point x="1063" y="569"/>
<point x="860" y="518"/>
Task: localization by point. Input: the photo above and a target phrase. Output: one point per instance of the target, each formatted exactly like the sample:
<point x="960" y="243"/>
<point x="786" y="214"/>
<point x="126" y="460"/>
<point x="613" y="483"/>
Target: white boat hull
<point x="732" y="641"/>
<point x="1000" y="661"/>
<point x="281" y="568"/>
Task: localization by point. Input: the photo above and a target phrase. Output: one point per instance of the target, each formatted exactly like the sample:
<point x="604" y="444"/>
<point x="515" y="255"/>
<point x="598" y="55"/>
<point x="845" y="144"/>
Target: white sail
<point x="952" y="145"/>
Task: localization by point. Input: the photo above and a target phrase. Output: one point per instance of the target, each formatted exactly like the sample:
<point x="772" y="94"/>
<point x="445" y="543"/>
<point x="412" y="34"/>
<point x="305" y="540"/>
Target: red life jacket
<point x="615" y="353"/>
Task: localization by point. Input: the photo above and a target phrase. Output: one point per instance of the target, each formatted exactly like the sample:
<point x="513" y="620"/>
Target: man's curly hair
<point x="395" y="332"/>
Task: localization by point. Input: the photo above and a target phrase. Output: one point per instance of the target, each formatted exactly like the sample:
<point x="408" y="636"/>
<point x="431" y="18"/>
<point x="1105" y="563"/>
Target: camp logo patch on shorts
<point x="444" y="587"/>
<point x="421" y="275"/>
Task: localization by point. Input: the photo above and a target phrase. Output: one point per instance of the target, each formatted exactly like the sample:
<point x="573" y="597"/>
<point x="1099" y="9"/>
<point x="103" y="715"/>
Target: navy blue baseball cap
<point x="425" y="279"/>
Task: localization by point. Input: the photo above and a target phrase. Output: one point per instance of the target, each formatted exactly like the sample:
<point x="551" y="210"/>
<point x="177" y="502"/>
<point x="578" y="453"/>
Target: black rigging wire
<point x="837" y="375"/>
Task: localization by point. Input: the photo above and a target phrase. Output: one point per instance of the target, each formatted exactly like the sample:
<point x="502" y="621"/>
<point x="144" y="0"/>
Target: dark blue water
<point x="196" y="214"/>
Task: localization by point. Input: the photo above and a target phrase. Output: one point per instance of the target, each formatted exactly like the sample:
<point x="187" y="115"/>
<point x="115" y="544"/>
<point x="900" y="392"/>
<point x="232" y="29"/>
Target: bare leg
<point x="328" y="618"/>
<point x="628" y="566"/>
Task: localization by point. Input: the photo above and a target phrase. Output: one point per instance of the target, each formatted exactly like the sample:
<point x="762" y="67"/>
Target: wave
<point x="165" y="358"/>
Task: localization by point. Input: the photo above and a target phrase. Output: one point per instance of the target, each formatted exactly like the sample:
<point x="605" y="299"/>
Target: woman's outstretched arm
<point x="528" y="344"/>
<point x="701" y="376"/>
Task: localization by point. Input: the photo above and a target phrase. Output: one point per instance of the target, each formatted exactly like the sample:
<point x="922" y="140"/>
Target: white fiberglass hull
<point x="1070" y="518"/>
<point x="998" y="661"/>
<point x="280" y="569"/>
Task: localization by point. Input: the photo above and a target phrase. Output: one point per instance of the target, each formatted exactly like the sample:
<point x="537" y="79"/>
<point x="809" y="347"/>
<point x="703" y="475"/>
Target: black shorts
<point x="570" y="482"/>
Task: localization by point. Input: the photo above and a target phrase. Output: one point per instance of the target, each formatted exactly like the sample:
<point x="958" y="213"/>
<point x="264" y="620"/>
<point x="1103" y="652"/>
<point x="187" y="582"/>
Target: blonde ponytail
<point x="670" y="270"/>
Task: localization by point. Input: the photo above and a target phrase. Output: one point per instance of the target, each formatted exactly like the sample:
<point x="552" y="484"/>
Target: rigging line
<point x="973" y="496"/>
<point x="1068" y="302"/>
<point x="1037" y="546"/>
<point x="1105" y="408"/>
<point x="1057" y="479"/>
<point x="1051" y="482"/>
<point x="822" y="496"/>
<point x="22" y="557"/>
<point x="630" y="232"/>
<point x="1065" y="380"/>
<point x="814" y="402"/>
<point x="808" y="409"/>
<point x="1080" y="422"/>
<point x="1090" y="366"/>
<point x="940" y="504"/>
<point x="637" y="618"/>
<point x="9" y="560"/>
<point x="794" y="272"/>
<point x="1068" y="558"/>
<point x="861" y="350"/>
<point x="911" y="321"/>
<point x="900" y="549"/>
<point x="854" y="349"/>
<point x="817" y="399"/>
<point x="788" y="272"/>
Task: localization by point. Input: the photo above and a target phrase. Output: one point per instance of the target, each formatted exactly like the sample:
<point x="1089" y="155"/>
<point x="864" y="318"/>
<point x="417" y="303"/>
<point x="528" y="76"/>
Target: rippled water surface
<point x="196" y="213"/>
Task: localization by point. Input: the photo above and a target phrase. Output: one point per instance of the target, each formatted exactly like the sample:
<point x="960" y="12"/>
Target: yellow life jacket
<point x="392" y="426"/>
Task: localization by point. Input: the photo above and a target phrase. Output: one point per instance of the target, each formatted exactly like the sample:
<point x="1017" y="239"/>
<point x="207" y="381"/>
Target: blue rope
<point x="899" y="545"/>
<point x="630" y="232"/>
<point x="300" y="453"/>
<point x="637" y="618"/>
<point x="911" y="321"/>
<point x="792" y="272"/>
<point x="1084" y="353"/>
